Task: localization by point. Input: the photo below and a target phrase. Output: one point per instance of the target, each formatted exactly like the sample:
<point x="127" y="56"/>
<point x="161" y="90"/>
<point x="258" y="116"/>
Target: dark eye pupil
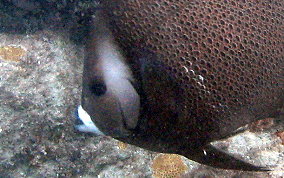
<point x="98" y="88"/>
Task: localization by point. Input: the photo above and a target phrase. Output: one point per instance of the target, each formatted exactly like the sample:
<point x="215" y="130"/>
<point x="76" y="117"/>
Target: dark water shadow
<point x="31" y="16"/>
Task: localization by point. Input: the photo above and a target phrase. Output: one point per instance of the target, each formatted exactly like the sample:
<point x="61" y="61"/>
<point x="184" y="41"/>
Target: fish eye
<point x="98" y="88"/>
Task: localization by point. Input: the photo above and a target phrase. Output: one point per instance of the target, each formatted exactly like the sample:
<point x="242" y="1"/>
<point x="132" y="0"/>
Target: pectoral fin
<point x="211" y="156"/>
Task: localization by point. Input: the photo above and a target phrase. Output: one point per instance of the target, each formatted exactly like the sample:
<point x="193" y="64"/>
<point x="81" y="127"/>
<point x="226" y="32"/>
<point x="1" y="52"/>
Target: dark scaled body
<point x="203" y="69"/>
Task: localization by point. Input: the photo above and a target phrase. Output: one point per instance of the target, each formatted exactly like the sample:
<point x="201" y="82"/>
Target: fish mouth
<point x="77" y="121"/>
<point x="84" y="123"/>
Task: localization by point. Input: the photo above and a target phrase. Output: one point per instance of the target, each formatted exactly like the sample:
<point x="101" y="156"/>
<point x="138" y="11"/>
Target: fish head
<point x="110" y="103"/>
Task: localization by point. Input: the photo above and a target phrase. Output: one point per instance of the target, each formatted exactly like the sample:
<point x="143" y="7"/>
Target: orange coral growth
<point x="11" y="53"/>
<point x="281" y="136"/>
<point x="168" y="166"/>
<point x="122" y="145"/>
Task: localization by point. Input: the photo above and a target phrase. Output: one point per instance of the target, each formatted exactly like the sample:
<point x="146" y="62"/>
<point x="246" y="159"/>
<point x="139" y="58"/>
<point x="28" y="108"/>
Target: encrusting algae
<point x="11" y="53"/>
<point x="168" y="166"/>
<point x="280" y="134"/>
<point x="122" y="145"/>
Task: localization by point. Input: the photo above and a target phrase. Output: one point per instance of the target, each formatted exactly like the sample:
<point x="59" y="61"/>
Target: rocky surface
<point x="40" y="83"/>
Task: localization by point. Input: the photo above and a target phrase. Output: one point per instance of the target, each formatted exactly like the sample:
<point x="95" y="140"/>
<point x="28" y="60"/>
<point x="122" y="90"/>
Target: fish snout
<point x="84" y="123"/>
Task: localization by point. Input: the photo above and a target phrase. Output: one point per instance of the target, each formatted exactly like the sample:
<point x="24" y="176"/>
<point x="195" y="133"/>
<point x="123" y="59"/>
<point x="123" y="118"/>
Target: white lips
<point x="88" y="125"/>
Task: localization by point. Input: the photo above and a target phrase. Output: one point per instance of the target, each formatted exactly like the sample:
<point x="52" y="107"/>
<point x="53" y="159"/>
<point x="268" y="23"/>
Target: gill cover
<point x="108" y="96"/>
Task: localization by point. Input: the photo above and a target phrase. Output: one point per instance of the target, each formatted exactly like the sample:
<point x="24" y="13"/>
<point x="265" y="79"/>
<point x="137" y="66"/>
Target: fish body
<point x="173" y="76"/>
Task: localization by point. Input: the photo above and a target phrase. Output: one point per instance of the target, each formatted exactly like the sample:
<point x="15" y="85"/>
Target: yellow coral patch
<point x="168" y="166"/>
<point x="11" y="53"/>
<point x="122" y="145"/>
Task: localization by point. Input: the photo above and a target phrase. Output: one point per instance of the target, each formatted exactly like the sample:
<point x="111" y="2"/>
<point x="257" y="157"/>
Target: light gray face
<point x="110" y="104"/>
